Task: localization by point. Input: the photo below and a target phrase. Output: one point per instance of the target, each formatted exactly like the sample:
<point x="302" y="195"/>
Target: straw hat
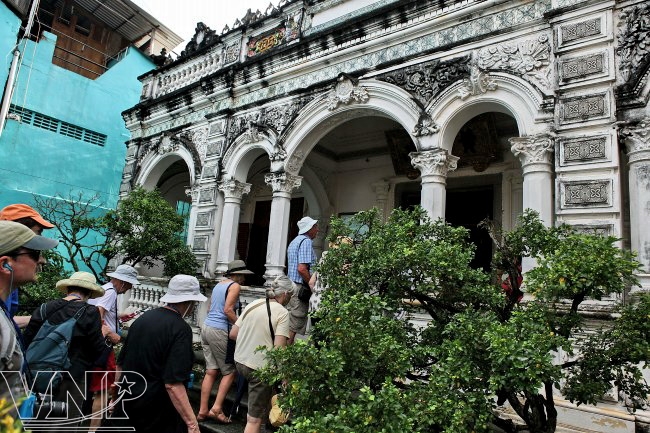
<point x="183" y="288"/>
<point x="85" y="280"/>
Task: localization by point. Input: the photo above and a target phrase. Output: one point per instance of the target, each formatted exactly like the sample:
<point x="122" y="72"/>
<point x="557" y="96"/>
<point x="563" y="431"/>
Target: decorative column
<point x="536" y="156"/>
<point x="282" y="185"/>
<point x="434" y="166"/>
<point x="381" y="196"/>
<point x="637" y="141"/>
<point x="215" y="223"/>
<point x="233" y="191"/>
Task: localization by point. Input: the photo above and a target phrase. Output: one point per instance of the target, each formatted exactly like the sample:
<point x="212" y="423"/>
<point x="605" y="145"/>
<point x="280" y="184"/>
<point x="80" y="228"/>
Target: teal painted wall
<point x="9" y="25"/>
<point x="37" y="161"/>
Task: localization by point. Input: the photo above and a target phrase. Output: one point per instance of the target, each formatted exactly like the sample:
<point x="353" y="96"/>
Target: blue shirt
<point x="300" y="250"/>
<point x="216" y="317"/>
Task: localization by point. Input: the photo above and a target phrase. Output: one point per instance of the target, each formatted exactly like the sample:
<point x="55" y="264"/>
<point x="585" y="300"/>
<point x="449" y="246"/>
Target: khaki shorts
<point x="297" y="312"/>
<point x="259" y="393"/>
<point x="214" y="342"/>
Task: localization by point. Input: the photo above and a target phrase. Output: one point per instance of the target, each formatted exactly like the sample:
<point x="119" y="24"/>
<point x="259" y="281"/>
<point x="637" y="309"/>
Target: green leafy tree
<point x="414" y="340"/>
<point x="44" y="289"/>
<point x="144" y="229"/>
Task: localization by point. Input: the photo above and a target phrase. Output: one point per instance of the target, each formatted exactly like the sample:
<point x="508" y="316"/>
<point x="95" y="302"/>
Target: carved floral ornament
<point x="637" y="137"/>
<point x="532" y="150"/>
<point x="232" y="188"/>
<point x="283" y="182"/>
<point x="425" y="126"/>
<point x="529" y="58"/>
<point x="634" y="40"/>
<point x="478" y="83"/>
<point x="345" y="92"/>
<point x="436" y="162"/>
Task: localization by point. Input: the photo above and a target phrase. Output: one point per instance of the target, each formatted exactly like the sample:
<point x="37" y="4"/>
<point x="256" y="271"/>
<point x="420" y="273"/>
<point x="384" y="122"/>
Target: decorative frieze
<point x="586" y="194"/>
<point x="346" y="91"/>
<point x="200" y="243"/>
<point x="537" y="149"/>
<point x="436" y="162"/>
<point x="478" y="83"/>
<point x="581" y="30"/>
<point x="634" y="41"/>
<point x="279" y="36"/>
<point x="594" y="229"/>
<point x="426" y="80"/>
<point x="206" y="195"/>
<point x="231" y="53"/>
<point x="203" y="219"/>
<point x="283" y="182"/>
<point x="528" y="58"/>
<point x="583" y="108"/>
<point x="583" y="150"/>
<point x="580" y="68"/>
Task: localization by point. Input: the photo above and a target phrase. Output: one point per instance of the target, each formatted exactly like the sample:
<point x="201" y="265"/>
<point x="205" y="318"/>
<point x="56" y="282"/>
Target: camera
<point x="45" y="407"/>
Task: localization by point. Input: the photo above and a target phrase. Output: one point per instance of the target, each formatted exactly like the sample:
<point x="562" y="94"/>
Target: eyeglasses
<point x="33" y="254"/>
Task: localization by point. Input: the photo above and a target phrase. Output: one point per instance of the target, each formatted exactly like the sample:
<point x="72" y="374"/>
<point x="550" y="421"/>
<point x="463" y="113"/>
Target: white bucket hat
<point x="305" y="224"/>
<point x="125" y="273"/>
<point x="85" y="280"/>
<point x="183" y="288"/>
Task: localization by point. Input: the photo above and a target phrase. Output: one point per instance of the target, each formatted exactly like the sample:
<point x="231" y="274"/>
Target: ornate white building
<point x="470" y="108"/>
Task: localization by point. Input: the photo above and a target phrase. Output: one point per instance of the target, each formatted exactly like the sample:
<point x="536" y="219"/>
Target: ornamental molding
<point x="634" y="41"/>
<point x="283" y="182"/>
<point x="536" y="149"/>
<point x="424" y="81"/>
<point x="425" y="126"/>
<point x="529" y="59"/>
<point x="232" y="188"/>
<point x="346" y="91"/>
<point x="437" y="162"/>
<point x="295" y="162"/>
<point x="200" y="140"/>
<point x="586" y="194"/>
<point x="478" y="83"/>
<point x="637" y="138"/>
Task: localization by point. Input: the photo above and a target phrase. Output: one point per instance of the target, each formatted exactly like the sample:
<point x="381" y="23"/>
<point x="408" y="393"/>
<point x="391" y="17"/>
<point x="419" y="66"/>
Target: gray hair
<point x="282" y="284"/>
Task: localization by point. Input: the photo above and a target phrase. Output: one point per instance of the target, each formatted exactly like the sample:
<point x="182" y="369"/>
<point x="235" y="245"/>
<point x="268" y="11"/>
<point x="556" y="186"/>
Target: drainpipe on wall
<point x="6" y="100"/>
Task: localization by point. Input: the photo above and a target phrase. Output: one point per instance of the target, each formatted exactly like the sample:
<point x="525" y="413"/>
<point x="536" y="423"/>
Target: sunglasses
<point x="33" y="254"/>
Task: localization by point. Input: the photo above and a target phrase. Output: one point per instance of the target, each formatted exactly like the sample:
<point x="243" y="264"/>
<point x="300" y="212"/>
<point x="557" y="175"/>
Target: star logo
<point x="124" y="386"/>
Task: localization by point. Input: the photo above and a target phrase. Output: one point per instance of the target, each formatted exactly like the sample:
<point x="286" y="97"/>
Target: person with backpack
<point x="85" y="341"/>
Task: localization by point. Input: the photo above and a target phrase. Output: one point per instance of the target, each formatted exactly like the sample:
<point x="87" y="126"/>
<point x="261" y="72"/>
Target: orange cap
<point x="15" y="212"/>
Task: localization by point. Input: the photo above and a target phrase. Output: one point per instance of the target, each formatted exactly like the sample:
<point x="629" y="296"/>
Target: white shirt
<point x="109" y="303"/>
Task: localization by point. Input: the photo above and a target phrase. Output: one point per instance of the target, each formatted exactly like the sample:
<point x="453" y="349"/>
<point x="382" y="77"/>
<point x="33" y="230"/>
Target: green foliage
<point x="413" y="339"/>
<point x="32" y="295"/>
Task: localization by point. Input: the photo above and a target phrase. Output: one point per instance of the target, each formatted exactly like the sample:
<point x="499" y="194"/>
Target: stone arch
<point x="512" y="96"/>
<point x="155" y="164"/>
<point x="316" y="118"/>
<point x="242" y="153"/>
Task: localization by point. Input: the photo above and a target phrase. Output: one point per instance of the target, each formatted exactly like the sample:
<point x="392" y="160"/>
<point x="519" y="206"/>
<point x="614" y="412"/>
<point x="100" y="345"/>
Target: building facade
<point x="472" y="109"/>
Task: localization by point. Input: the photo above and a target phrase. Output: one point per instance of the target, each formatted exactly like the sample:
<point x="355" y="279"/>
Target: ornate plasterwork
<point x="295" y="162"/>
<point x="347" y="90"/>
<point x="478" y="83"/>
<point x="583" y="108"/>
<point x="637" y="140"/>
<point x="582" y="194"/>
<point x="425" y="126"/>
<point x="529" y="59"/>
<point x="167" y="145"/>
<point x="283" y="182"/>
<point x="232" y="188"/>
<point x="634" y="41"/>
<point x="200" y="140"/>
<point x="253" y="134"/>
<point x="437" y="162"/>
<point x="583" y="150"/>
<point x="426" y="80"/>
<point x="536" y="149"/>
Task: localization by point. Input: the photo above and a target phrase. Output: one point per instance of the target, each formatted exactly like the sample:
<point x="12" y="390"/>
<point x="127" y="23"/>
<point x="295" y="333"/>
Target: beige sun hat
<point x="238" y="267"/>
<point x="85" y="280"/>
<point x="183" y="288"/>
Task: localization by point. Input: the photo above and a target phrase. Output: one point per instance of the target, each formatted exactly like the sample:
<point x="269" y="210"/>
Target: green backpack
<point x="47" y="355"/>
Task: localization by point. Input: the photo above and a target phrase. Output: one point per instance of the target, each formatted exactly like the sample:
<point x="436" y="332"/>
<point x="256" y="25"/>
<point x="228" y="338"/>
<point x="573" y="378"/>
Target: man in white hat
<point x="159" y="348"/>
<point x="20" y="260"/>
<point x="300" y="259"/>
<point x="122" y="279"/>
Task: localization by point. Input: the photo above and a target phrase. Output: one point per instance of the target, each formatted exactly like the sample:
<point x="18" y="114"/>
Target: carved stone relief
<point x="581" y="30"/>
<point x="478" y="83"/>
<point x="637" y="139"/>
<point x="436" y="162"/>
<point x="582" y="108"/>
<point x="203" y="219"/>
<point x="233" y="188"/>
<point x="634" y="41"/>
<point x="346" y="91"/>
<point x="210" y="172"/>
<point x="532" y="150"/>
<point x="295" y="162"/>
<point x="425" y="126"/>
<point x="283" y="182"/>
<point x="585" y="194"/>
<point x="206" y="195"/>
<point x="582" y="67"/>
<point x="200" y="243"/>
<point x="214" y="149"/>
<point x="217" y="128"/>
<point x="594" y="229"/>
<point x="583" y="150"/>
<point x="231" y="53"/>
<point x="200" y="140"/>
<point x="529" y="59"/>
<point x="426" y="80"/>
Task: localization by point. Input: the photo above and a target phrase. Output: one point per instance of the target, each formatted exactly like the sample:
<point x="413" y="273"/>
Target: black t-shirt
<point x="159" y="347"/>
<point x="87" y="341"/>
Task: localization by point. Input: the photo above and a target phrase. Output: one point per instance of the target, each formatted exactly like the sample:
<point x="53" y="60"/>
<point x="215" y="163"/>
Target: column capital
<point x="534" y="149"/>
<point x="283" y="182"/>
<point x="436" y="162"/>
<point x="637" y="140"/>
<point x="234" y="189"/>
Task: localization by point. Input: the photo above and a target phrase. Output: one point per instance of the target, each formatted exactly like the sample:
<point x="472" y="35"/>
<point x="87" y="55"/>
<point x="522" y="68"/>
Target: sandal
<point x="220" y="417"/>
<point x="200" y="417"/>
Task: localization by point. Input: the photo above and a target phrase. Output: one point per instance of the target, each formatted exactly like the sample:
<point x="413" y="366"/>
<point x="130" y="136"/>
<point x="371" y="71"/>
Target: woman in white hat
<point x="158" y="348"/>
<point x="218" y="351"/>
<point x="87" y="340"/>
